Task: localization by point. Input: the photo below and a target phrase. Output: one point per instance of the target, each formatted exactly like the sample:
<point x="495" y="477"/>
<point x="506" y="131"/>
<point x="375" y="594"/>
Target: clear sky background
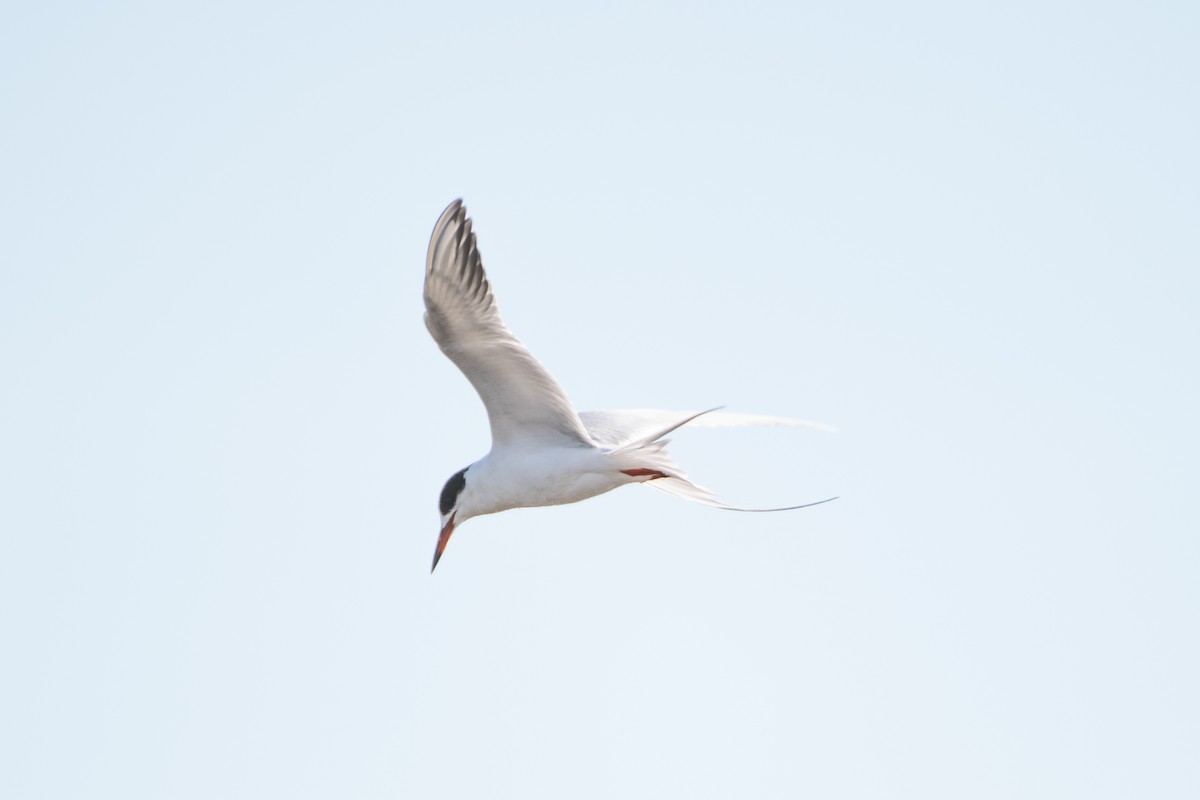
<point x="965" y="234"/>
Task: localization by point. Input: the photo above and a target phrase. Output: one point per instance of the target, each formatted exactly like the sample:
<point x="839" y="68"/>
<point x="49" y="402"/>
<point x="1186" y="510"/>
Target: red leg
<point x="640" y="471"/>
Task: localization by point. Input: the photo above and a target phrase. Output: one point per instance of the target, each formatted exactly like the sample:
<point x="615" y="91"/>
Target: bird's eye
<point x="452" y="490"/>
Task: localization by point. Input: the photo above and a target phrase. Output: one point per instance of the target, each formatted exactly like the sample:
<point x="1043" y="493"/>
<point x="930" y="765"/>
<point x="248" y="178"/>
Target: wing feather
<point x="621" y="427"/>
<point x="523" y="401"/>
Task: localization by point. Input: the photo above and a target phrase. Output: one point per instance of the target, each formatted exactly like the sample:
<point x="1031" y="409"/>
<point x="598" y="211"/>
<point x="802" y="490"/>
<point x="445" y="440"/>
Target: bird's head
<point x="451" y="505"/>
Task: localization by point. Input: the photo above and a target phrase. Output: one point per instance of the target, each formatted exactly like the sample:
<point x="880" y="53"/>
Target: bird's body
<point x="543" y="452"/>
<point x="519" y="477"/>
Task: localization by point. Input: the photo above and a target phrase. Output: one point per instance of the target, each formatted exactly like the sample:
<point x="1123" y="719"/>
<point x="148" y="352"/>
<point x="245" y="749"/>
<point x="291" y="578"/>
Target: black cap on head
<point x="452" y="490"/>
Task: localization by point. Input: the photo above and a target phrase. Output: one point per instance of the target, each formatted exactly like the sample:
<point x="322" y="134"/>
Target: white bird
<point x="544" y="453"/>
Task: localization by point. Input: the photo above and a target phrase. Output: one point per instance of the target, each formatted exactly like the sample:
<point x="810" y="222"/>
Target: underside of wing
<point x="621" y="427"/>
<point x="523" y="401"/>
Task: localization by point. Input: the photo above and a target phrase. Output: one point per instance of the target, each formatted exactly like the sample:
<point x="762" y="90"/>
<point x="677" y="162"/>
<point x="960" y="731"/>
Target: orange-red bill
<point x="443" y="540"/>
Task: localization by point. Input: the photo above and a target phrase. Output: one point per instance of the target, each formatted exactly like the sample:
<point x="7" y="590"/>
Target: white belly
<point x="544" y="478"/>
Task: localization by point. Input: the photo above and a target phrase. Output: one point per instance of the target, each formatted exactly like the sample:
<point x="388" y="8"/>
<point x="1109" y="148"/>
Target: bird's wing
<point x="615" y="429"/>
<point x="524" y="404"/>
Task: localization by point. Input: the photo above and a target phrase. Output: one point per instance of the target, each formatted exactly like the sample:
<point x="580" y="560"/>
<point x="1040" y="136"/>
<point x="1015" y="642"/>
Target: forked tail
<point x="646" y="457"/>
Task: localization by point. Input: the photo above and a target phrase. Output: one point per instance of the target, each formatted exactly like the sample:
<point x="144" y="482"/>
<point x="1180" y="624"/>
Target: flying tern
<point x="544" y="452"/>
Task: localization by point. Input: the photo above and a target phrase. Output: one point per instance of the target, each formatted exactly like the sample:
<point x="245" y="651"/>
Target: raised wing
<point x="524" y="404"/>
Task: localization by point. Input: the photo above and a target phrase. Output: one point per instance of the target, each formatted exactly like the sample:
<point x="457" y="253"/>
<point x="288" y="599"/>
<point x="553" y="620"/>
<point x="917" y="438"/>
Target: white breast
<point x="519" y="478"/>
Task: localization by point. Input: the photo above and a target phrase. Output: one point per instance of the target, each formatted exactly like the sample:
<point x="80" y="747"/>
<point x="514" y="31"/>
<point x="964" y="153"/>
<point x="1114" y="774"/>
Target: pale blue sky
<point x="963" y="233"/>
